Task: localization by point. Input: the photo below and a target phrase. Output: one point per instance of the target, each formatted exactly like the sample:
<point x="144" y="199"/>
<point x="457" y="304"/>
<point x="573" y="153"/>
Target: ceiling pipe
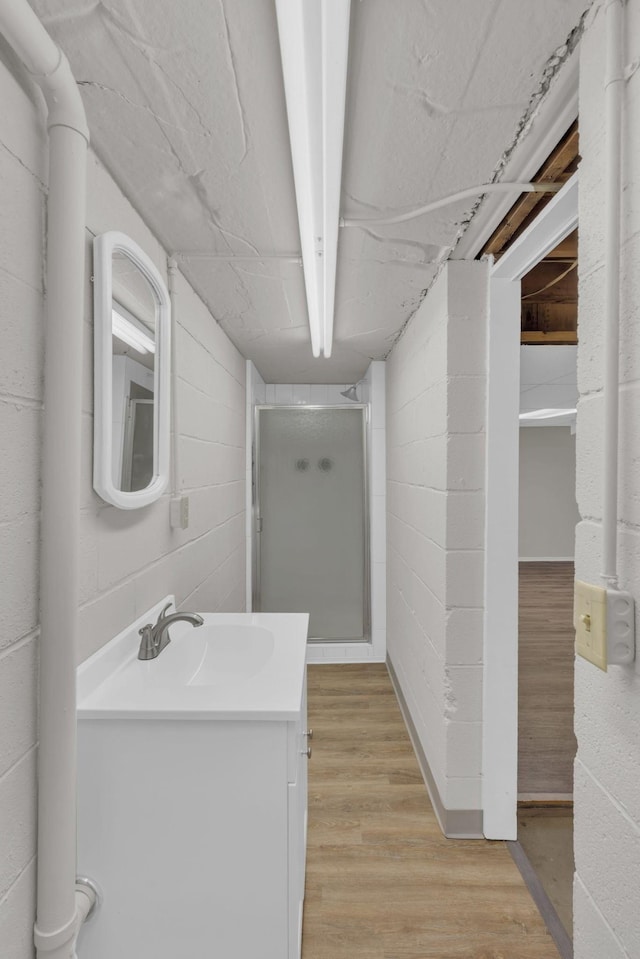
<point x="60" y="907"/>
<point x="231" y="258"/>
<point x="614" y="88"/>
<point x="470" y="192"/>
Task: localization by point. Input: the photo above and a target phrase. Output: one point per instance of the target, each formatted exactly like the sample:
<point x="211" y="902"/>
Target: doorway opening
<point x="531" y="517"/>
<point x="548" y="516"/>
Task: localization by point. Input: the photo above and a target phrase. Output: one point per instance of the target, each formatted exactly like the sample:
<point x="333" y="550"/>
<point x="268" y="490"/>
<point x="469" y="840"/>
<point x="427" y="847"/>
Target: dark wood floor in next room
<point x="382" y="881"/>
<point x="546" y="741"/>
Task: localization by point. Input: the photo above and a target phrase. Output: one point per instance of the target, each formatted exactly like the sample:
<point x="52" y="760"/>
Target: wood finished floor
<point x="546" y="835"/>
<point x="382" y="881"/>
<point x="546" y="741"/>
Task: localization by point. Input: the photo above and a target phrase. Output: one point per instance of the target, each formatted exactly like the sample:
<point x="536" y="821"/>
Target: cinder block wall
<point x="435" y="529"/>
<point x="129" y="559"/>
<point x="607" y="770"/>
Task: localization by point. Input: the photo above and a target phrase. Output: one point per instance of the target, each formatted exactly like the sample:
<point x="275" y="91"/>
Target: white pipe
<point x="57" y="909"/>
<point x="172" y="272"/>
<point x="231" y="258"/>
<point x="86" y="901"/>
<point x="56" y="924"/>
<point x="614" y="86"/>
<point x="60" y="537"/>
<point x="452" y="198"/>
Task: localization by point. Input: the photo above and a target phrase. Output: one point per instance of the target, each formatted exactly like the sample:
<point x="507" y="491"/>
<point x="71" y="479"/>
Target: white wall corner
<point x="375" y="379"/>
<point x="500" y="702"/>
<point x="256" y="394"/>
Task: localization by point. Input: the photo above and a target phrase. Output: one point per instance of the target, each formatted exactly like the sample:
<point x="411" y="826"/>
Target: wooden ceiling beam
<point x="555" y="338"/>
<point x="545" y="283"/>
<point x="558" y="167"/>
<point x="566" y="250"/>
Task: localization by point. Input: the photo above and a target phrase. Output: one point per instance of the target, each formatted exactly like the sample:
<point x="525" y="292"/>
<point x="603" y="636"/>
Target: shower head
<point x="352" y="392"/>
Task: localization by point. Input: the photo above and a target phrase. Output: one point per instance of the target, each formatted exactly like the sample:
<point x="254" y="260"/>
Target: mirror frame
<point x="104" y="246"/>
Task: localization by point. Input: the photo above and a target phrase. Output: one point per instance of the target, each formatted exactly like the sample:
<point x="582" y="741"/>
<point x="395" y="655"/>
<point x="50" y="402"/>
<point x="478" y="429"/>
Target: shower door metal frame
<point x="257" y="518"/>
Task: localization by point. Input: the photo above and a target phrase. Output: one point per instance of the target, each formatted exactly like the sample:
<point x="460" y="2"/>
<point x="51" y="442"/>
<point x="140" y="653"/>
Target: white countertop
<point x="192" y="679"/>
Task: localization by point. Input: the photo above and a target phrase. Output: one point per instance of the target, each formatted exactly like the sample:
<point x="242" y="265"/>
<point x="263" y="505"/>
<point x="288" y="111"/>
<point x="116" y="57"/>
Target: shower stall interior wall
<point x="371" y="393"/>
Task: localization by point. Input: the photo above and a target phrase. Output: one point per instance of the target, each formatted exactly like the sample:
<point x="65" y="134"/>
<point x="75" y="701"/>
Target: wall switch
<point x="590" y="622"/>
<point x="604" y="620"/>
<point x="179" y="512"/>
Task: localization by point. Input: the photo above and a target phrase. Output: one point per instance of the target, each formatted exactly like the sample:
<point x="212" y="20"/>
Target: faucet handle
<point x="147" y="645"/>
<point x="163" y="615"/>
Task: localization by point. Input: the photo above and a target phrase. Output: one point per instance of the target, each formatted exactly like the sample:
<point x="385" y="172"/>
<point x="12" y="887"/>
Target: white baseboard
<point x="454" y="823"/>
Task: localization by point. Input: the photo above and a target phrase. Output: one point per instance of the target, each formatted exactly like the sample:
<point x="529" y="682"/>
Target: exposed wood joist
<point x="549" y="313"/>
<point x="555" y="338"/>
<point x="559" y="166"/>
<point x="549" y="310"/>
<point x="552" y="281"/>
<point x="567" y="250"/>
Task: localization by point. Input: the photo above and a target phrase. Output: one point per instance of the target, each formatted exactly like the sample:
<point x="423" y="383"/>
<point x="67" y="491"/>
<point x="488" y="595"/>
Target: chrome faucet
<point x="155" y="638"/>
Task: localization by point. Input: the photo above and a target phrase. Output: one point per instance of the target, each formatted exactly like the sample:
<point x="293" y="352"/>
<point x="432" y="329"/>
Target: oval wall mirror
<point x="132" y="319"/>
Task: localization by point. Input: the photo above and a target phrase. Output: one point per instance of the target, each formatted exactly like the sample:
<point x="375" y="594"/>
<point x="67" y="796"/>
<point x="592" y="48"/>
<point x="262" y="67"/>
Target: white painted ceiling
<point x="186" y="108"/>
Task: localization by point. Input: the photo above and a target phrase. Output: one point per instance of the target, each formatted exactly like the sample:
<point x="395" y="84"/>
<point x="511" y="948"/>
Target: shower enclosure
<point x="311" y="516"/>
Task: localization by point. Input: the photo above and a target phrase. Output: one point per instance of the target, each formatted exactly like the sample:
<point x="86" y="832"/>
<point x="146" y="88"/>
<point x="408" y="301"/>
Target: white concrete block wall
<point x="435" y="485"/>
<point x="607" y="799"/>
<point x="22" y="175"/>
<point x="129" y="560"/>
<point x="132" y="558"/>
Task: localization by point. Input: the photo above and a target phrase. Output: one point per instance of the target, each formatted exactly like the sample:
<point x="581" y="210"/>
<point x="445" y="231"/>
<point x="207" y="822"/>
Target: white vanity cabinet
<point x="194" y="829"/>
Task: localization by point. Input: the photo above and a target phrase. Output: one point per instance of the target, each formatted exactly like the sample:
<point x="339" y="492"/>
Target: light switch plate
<point x="590" y="622"/>
<point x="179" y="512"/>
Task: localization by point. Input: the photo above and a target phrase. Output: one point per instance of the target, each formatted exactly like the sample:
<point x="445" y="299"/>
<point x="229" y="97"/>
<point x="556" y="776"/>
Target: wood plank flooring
<point x="382" y="881"/>
<point x="546" y="835"/>
<point x="546" y="741"/>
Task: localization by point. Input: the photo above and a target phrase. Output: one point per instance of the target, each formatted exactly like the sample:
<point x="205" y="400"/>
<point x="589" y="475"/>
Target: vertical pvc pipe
<point x="614" y="85"/>
<point x="172" y="272"/>
<point x="58" y="915"/>
<point x="60" y="536"/>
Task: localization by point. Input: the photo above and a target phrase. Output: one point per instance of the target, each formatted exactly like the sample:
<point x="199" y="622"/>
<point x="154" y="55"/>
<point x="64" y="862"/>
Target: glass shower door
<point x="312" y="518"/>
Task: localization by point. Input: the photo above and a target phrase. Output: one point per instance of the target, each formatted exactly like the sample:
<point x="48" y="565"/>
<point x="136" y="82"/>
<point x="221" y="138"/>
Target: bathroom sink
<point x="232" y="652"/>
<point x="192" y="789"/>
<point x="209" y="655"/>
<point x="234" y="666"/>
